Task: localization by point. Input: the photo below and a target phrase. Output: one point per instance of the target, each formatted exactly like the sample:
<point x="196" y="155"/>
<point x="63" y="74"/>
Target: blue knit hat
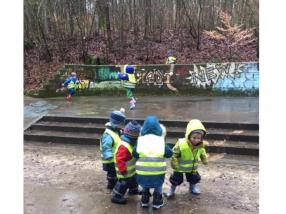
<point x="116" y="118"/>
<point x="132" y="129"/>
<point x="129" y="69"/>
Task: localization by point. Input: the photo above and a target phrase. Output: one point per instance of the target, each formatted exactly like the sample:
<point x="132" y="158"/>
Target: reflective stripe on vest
<point x="116" y="140"/>
<point x="130" y="165"/>
<point x="188" y="161"/>
<point x="131" y="83"/>
<point x="151" y="149"/>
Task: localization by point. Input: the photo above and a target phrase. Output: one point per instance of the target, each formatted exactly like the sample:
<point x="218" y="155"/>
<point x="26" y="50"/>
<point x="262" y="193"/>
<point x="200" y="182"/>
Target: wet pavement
<point x="213" y="109"/>
<point x="64" y="179"/>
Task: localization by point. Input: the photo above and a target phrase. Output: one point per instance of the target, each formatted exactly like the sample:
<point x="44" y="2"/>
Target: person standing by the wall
<point x="71" y="83"/>
<point x="171" y="59"/>
<point x="129" y="82"/>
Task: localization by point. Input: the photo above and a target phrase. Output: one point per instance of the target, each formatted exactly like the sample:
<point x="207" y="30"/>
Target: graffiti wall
<point x="224" y="76"/>
<point x="217" y="76"/>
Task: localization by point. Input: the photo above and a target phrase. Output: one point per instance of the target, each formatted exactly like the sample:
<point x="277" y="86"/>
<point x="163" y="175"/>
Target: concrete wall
<point x="214" y="76"/>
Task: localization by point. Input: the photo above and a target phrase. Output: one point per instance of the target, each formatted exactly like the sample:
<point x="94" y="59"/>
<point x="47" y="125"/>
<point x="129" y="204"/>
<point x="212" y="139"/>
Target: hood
<point x="151" y="126"/>
<point x="193" y="125"/>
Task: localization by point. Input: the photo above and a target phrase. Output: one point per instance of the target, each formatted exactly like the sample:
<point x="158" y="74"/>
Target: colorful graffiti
<point x="107" y="73"/>
<point x="208" y="75"/>
<point x="219" y="76"/>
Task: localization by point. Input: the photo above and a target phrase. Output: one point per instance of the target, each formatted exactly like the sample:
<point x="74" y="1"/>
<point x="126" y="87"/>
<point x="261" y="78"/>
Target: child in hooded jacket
<point x="151" y="151"/>
<point x="125" y="164"/>
<point x="108" y="143"/>
<point x="171" y="59"/>
<point x="186" y="155"/>
<point x="71" y="83"/>
<point x="129" y="82"/>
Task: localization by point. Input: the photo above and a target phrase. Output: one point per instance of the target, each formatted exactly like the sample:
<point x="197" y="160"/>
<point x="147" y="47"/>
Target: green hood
<point x="193" y="125"/>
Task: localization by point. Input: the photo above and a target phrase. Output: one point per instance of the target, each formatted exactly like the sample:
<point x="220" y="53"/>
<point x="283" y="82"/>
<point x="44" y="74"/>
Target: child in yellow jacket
<point x="186" y="155"/>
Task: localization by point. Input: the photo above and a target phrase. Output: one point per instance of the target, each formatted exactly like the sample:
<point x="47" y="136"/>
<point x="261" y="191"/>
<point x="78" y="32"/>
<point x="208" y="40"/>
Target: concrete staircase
<point x="230" y="138"/>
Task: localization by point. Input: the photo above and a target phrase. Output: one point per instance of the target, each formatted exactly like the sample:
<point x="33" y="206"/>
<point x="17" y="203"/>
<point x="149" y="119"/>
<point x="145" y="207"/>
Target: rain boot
<point x="171" y="193"/>
<point x="194" y="189"/>
<point x="157" y="201"/>
<point x="145" y="199"/>
<point x="118" y="199"/>
<point x="118" y="192"/>
<point x="134" y="100"/>
<point x="69" y="98"/>
<point x="131" y="104"/>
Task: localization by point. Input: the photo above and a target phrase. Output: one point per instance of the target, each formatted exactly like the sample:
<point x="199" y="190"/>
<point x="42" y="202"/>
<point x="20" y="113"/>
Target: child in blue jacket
<point x="109" y="142"/>
<point x="151" y="152"/>
<point x="129" y="82"/>
<point x="71" y="83"/>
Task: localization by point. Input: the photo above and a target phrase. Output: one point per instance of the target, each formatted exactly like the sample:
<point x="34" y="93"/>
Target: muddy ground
<point x="68" y="179"/>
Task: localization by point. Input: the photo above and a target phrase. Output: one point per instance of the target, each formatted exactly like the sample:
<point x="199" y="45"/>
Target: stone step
<point x="216" y="134"/>
<point x="215" y="146"/>
<point x="167" y="123"/>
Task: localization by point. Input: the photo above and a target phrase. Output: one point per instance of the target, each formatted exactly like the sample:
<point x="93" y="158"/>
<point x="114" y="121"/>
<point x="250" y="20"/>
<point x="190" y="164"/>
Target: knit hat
<point x="129" y="69"/>
<point x="116" y="118"/>
<point x="132" y="129"/>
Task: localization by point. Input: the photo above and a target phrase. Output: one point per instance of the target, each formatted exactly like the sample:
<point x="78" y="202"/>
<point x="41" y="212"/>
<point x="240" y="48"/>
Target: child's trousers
<point x="111" y="175"/>
<point x="126" y="183"/>
<point x="177" y="178"/>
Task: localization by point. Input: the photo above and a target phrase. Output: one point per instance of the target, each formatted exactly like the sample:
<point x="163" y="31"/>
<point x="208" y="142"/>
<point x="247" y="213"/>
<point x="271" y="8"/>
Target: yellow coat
<point x="197" y="151"/>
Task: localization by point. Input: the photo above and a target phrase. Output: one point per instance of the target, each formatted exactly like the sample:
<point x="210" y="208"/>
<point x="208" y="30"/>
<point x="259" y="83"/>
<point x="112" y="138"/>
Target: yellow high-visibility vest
<point x="130" y="165"/>
<point x="151" y="149"/>
<point x="116" y="140"/>
<point x="71" y="85"/>
<point x="189" y="159"/>
<point x="171" y="60"/>
<point x="131" y="83"/>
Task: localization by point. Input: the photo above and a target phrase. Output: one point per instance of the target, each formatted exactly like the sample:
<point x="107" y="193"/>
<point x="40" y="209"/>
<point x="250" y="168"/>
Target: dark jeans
<point x="177" y="178"/>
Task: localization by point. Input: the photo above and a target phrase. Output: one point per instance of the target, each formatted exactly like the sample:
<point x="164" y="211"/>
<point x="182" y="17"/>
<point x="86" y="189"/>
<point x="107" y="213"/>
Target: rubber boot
<point x="157" y="201"/>
<point x="69" y="98"/>
<point x="145" y="199"/>
<point x="194" y="189"/>
<point x="134" y="100"/>
<point x="118" y="199"/>
<point x="131" y="104"/>
<point x="171" y="193"/>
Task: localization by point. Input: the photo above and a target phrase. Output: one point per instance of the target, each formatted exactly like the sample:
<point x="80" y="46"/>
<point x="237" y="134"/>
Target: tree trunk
<point x="174" y="13"/>
<point x="199" y="25"/>
<point x="135" y="25"/>
<point x="107" y="22"/>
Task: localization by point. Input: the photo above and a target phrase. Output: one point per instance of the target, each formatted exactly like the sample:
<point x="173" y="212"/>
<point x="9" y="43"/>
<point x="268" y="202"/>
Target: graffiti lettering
<point x="154" y="77"/>
<point x="209" y="75"/>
